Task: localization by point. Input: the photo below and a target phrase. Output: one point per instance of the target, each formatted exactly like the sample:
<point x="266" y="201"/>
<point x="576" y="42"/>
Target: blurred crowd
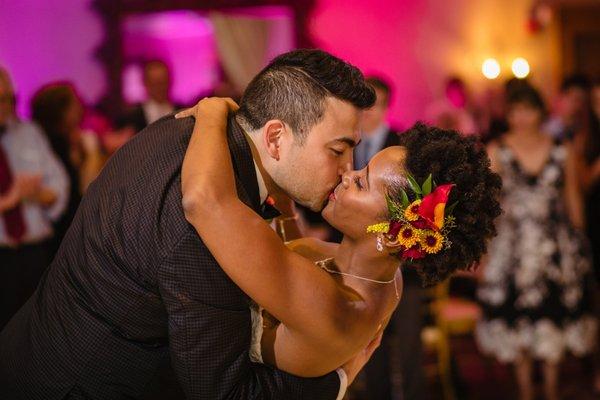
<point x="536" y="289"/>
<point x="46" y="166"/>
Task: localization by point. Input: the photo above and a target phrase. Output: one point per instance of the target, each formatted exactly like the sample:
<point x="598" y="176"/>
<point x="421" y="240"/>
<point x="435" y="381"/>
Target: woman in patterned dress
<point x="534" y="290"/>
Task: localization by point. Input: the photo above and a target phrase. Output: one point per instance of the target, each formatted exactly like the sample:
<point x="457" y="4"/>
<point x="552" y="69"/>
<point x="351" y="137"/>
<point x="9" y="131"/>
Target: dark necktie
<point x="13" y="219"/>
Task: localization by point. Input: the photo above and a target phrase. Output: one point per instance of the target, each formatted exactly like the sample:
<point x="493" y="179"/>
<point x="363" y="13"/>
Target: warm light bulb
<point x="520" y="67"/>
<point x="490" y="68"/>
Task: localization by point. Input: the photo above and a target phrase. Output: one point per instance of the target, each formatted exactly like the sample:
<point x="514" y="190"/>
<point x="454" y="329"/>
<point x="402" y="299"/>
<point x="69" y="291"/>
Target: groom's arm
<point x="210" y="339"/>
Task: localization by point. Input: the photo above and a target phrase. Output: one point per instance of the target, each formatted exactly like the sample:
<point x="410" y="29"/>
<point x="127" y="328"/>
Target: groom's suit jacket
<point x="133" y="285"/>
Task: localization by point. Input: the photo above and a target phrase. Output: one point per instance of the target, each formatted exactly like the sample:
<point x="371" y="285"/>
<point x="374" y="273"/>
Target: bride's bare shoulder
<point x="313" y="249"/>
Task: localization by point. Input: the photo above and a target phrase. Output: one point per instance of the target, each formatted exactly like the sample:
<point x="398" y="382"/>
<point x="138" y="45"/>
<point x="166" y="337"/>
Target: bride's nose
<point x="346" y="179"/>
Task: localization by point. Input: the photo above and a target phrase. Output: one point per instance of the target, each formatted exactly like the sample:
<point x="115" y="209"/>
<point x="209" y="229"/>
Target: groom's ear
<point x="272" y="134"/>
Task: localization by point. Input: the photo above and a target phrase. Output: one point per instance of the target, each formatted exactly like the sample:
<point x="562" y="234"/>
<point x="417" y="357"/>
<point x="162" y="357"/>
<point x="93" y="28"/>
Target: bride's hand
<point x="353" y="367"/>
<point x="210" y="111"/>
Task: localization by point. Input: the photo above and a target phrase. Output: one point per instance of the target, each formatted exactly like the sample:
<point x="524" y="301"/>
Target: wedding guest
<point x="33" y="194"/>
<point x="404" y="330"/>
<point x="571" y="110"/>
<point x="157" y="82"/>
<point x="453" y="110"/>
<point x="94" y="121"/>
<point x="493" y="118"/>
<point x="534" y="287"/>
<point x="376" y="133"/>
<point x="57" y="108"/>
<point x="587" y="144"/>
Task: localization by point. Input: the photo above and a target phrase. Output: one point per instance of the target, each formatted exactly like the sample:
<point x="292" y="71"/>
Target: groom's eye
<point x="337" y="152"/>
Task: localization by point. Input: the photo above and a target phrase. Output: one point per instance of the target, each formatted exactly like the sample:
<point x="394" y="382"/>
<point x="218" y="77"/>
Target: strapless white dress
<point x="256" y="313"/>
<point x="257" y="332"/>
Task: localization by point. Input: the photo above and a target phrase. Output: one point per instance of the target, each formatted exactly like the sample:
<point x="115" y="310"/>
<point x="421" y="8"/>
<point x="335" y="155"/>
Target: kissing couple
<point x="170" y="260"/>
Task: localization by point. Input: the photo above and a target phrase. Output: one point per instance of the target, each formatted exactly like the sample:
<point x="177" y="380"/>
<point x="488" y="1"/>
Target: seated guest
<point x="157" y="82"/>
<point x="33" y="193"/>
<point x="57" y="108"/>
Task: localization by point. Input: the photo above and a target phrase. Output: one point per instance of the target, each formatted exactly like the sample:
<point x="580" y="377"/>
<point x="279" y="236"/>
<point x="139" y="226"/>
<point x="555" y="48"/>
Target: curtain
<point x="246" y="43"/>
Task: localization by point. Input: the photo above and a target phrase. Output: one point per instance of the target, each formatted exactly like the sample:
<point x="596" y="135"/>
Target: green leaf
<point x="451" y="208"/>
<point x="414" y="185"/>
<point x="392" y="207"/>
<point x="405" y="201"/>
<point x="426" y="188"/>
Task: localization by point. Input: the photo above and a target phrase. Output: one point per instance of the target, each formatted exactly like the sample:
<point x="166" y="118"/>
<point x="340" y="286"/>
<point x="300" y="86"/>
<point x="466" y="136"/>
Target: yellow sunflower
<point x="411" y="212"/>
<point x="408" y="236"/>
<point x="431" y="241"/>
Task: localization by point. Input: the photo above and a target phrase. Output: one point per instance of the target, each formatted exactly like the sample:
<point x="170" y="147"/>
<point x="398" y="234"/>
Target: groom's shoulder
<point x="160" y="145"/>
<point x="168" y="128"/>
<point x="149" y="164"/>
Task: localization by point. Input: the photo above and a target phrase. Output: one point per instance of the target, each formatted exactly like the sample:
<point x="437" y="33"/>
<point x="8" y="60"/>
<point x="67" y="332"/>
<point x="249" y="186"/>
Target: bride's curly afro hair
<point x="452" y="158"/>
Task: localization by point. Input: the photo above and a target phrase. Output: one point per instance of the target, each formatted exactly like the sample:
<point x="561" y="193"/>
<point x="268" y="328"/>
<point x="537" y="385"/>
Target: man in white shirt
<point x="157" y="82"/>
<point x="34" y="190"/>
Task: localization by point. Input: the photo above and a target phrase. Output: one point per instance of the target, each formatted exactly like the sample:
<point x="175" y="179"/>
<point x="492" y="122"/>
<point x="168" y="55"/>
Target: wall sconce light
<point x="520" y="67"/>
<point x="490" y="68"/>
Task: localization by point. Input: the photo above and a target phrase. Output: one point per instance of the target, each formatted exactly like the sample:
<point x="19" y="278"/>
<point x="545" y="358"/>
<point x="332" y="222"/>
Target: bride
<point x="324" y="302"/>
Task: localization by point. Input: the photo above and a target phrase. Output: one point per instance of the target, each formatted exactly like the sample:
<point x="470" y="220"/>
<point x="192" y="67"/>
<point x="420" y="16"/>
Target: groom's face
<point x="309" y="171"/>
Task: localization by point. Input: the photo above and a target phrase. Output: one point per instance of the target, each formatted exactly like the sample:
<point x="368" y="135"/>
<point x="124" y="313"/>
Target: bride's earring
<point x="379" y="243"/>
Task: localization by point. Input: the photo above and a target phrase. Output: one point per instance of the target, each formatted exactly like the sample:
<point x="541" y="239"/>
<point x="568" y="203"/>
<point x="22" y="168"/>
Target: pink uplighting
<point x="43" y="41"/>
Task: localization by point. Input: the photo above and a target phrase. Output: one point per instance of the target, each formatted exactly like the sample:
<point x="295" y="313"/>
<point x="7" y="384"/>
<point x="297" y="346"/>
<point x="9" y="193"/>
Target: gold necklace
<point x="323" y="265"/>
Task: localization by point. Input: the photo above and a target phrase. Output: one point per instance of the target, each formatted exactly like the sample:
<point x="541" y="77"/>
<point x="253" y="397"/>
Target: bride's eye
<point x="358" y="182"/>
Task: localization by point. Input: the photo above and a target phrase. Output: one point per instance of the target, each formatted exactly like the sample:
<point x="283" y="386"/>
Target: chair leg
<point x="444" y="367"/>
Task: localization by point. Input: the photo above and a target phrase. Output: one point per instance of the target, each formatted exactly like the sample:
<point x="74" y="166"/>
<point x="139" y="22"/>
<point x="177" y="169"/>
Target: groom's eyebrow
<point x="350" y="142"/>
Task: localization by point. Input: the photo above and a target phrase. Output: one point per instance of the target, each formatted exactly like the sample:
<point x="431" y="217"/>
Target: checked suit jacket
<point x="132" y="285"/>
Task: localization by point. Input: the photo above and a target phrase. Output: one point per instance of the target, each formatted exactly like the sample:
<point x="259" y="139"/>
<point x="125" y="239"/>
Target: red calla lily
<point x="433" y="205"/>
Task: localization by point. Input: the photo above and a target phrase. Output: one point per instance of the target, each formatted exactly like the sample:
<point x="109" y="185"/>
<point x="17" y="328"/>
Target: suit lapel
<point x="243" y="164"/>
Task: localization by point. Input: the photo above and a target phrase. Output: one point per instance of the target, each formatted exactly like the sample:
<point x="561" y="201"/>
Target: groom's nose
<point x="345" y="168"/>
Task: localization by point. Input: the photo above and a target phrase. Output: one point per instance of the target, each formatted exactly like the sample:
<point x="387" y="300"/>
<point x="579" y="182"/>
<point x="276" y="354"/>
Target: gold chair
<point x="451" y="316"/>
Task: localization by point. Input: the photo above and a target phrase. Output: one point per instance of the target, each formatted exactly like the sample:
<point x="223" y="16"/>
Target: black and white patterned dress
<point x="535" y="291"/>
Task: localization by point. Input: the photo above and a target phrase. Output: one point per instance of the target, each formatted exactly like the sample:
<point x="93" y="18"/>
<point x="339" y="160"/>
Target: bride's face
<point x="359" y="200"/>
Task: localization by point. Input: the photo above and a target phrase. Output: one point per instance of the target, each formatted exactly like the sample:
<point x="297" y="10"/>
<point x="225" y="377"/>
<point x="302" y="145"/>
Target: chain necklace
<point x="323" y="265"/>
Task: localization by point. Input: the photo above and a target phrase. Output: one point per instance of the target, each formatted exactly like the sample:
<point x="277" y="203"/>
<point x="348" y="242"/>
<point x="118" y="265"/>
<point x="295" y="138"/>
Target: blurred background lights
<point x="490" y="68"/>
<point x="520" y="67"/>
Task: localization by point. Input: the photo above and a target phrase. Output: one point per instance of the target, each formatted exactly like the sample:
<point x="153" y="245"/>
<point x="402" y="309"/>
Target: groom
<point x="133" y="286"/>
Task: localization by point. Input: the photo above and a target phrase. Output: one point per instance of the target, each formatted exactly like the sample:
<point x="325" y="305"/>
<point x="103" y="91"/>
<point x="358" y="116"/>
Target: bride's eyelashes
<point x="358" y="183"/>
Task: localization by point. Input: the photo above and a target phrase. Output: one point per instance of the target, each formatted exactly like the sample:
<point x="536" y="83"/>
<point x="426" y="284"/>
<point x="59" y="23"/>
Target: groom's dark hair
<point x="294" y="86"/>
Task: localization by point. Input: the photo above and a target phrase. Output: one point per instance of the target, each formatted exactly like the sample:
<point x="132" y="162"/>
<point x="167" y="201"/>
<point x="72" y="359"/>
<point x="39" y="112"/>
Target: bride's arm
<point x="304" y="298"/>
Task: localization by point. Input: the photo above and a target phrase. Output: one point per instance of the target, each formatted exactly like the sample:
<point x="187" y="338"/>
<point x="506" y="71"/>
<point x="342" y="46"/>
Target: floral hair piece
<point x="419" y="227"/>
